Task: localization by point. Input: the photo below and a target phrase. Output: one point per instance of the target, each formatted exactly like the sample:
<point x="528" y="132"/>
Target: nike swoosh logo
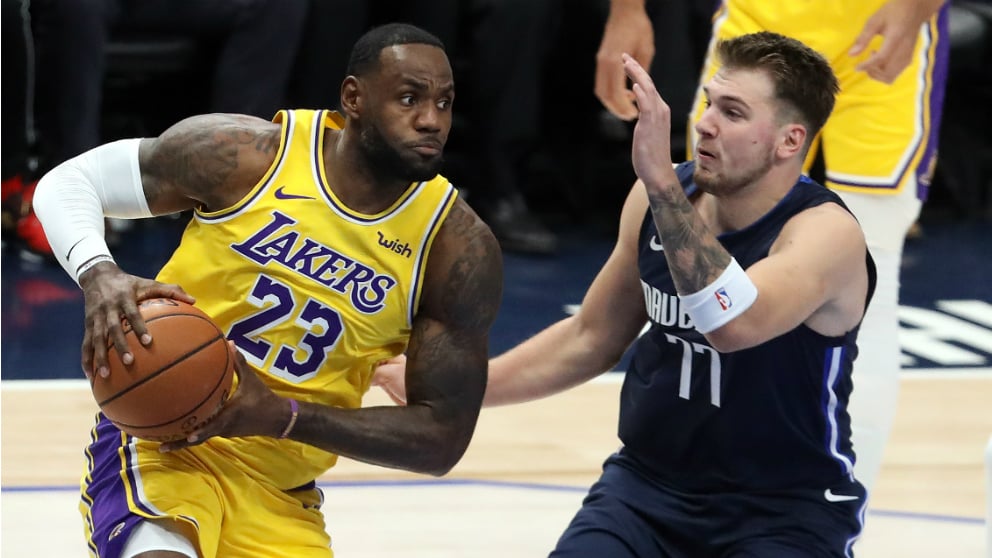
<point x="831" y="497"/>
<point x="282" y="195"/>
<point x="655" y="244"/>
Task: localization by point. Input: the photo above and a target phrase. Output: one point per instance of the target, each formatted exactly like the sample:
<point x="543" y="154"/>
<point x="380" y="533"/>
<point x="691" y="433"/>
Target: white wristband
<point x="722" y="300"/>
<point x="92" y="262"/>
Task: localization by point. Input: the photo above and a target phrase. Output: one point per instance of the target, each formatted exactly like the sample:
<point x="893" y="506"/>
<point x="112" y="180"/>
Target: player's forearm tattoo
<point x="695" y="257"/>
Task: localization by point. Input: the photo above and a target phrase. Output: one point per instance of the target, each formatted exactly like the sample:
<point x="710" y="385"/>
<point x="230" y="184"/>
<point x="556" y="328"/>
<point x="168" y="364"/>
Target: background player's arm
<point x="898" y="23"/>
<point x="628" y="30"/>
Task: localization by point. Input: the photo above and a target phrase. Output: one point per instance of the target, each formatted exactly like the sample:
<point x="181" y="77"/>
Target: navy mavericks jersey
<point x="769" y="417"/>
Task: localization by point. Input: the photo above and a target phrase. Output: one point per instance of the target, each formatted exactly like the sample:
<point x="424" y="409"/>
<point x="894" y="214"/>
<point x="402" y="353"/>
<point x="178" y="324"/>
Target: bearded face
<point x="400" y="163"/>
<point x="733" y="173"/>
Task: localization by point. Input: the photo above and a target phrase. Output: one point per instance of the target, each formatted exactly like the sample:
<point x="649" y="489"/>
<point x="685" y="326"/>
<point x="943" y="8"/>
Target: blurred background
<point x="532" y="149"/>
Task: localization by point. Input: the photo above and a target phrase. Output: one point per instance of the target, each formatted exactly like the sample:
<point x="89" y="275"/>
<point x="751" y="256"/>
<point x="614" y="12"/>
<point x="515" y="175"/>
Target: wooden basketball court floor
<point x="522" y="478"/>
<point x="529" y="465"/>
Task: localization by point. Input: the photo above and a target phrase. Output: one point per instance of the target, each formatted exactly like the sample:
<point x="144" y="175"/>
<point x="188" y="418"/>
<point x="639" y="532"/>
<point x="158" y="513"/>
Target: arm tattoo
<point x="267" y="142"/>
<point x="475" y="278"/>
<point x="200" y="156"/>
<point x="465" y="293"/>
<point x="695" y="257"/>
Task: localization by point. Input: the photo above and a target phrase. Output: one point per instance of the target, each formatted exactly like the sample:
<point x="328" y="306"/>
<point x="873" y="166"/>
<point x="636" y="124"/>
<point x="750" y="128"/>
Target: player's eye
<point x="407" y="100"/>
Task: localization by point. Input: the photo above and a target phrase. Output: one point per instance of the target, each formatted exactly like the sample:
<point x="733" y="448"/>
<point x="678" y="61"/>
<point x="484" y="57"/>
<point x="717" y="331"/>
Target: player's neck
<point x="353" y="180"/>
<point x="735" y="211"/>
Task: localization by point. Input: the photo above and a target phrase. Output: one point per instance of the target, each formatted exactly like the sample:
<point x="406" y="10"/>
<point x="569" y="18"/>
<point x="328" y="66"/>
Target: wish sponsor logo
<point x="401" y="248"/>
<point x="282" y="194"/>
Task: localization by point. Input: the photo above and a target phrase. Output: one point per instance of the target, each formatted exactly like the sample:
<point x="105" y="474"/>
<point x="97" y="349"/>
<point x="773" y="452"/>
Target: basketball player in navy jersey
<point x="754" y="279"/>
<point x="321" y="243"/>
<point x="879" y="145"/>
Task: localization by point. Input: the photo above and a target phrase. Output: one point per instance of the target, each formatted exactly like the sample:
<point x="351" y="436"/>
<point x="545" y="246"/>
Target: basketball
<point x="176" y="384"/>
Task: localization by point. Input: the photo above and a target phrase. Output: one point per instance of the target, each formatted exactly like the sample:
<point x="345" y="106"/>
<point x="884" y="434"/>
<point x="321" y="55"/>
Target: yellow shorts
<point x="881" y="138"/>
<point x="225" y="506"/>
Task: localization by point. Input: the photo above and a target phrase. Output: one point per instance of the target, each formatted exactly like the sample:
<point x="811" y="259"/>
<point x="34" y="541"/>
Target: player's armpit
<point x="209" y="161"/>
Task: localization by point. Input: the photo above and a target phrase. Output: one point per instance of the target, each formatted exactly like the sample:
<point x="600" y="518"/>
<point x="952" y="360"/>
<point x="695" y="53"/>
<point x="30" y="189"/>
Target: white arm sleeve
<point x="72" y="200"/>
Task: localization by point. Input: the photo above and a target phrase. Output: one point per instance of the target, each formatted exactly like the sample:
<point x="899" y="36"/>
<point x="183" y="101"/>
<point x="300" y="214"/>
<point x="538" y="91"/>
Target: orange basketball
<point x="176" y="384"/>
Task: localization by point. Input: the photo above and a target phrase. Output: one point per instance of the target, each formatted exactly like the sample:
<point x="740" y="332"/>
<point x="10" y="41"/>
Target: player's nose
<point x="705" y="125"/>
<point x="429" y="119"/>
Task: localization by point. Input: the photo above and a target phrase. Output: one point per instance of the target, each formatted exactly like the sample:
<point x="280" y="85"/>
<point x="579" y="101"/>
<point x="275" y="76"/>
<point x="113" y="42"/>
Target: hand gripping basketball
<point x="175" y="384"/>
<point x="253" y="410"/>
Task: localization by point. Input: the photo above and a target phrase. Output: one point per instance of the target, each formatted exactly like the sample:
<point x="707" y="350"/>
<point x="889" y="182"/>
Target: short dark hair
<point x="365" y="54"/>
<point x="801" y="76"/>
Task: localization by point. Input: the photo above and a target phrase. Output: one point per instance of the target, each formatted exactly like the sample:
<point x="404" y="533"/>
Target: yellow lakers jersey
<point x="313" y="293"/>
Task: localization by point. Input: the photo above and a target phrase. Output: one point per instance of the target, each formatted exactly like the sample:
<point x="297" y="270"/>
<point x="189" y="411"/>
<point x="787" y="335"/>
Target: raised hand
<point x="651" y="150"/>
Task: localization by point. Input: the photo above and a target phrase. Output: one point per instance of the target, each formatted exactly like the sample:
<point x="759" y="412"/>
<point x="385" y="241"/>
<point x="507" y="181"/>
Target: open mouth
<point x="704" y="154"/>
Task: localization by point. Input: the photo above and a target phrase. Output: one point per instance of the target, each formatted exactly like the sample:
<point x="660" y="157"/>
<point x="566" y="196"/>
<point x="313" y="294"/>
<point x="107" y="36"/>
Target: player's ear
<point x="351" y="97"/>
<point x="793" y="140"/>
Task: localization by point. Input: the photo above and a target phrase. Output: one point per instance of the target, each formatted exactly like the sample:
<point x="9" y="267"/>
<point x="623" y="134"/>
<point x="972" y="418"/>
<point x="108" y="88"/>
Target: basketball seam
<point x="130" y="328"/>
<point x="227" y="362"/>
<point x="160" y="370"/>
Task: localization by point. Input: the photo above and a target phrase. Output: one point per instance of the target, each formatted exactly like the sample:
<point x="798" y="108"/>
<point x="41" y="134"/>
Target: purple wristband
<point x="294" y="407"/>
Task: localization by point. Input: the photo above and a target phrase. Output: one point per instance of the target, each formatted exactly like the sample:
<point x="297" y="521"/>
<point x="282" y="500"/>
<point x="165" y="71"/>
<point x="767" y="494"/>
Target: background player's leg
<point x="876" y="373"/>
<point x="879" y="148"/>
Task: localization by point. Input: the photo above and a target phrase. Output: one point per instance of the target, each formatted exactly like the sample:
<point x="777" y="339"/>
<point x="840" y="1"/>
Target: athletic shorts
<point x="223" y="507"/>
<point x="627" y="515"/>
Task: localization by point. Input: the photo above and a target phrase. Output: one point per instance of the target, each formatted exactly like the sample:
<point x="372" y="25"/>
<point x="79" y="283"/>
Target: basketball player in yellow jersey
<point x="879" y="144"/>
<point x="322" y="244"/>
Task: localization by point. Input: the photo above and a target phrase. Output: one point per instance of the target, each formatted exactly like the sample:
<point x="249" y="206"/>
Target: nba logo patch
<point x="724" y="299"/>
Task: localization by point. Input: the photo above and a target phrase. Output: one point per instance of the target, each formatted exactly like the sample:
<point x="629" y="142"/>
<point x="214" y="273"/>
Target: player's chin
<point x="425" y="169"/>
